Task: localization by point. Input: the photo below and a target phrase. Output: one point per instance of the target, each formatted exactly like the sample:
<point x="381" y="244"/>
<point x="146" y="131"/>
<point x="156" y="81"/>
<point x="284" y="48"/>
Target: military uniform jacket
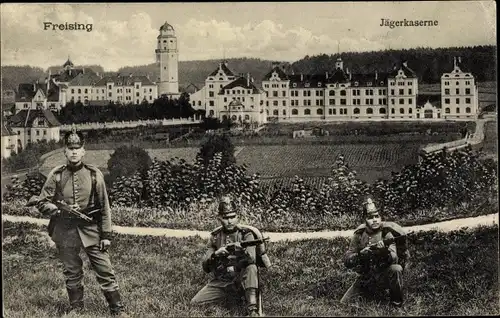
<point x="75" y="186"/>
<point x="364" y="236"/>
<point x="220" y="238"/>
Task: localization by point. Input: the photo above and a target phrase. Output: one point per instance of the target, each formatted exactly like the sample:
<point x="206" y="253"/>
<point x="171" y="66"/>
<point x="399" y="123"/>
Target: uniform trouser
<point x="217" y="290"/>
<point x="391" y="277"/>
<point x="69" y="254"/>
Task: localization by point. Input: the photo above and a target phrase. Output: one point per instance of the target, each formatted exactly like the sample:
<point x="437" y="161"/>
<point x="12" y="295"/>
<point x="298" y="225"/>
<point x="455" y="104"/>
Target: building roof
<point x="364" y="79"/>
<point x="224" y="68"/>
<point x="408" y="72"/>
<point x="240" y="82"/>
<point x="84" y="79"/>
<point x="434" y="99"/>
<point x="6" y="130"/>
<point x="68" y="63"/>
<point x="282" y="75"/>
<point x="338" y="76"/>
<point x="307" y="80"/>
<point x="67" y="75"/>
<point x="121" y="80"/>
<point x="26" y="91"/>
<point x="166" y="26"/>
<point x="24" y="118"/>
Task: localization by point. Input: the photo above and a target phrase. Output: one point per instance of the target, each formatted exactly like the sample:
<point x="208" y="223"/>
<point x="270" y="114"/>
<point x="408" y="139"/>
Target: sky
<point x="124" y="34"/>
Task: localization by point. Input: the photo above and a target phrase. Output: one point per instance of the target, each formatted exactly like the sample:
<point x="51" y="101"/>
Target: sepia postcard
<point x="249" y="159"/>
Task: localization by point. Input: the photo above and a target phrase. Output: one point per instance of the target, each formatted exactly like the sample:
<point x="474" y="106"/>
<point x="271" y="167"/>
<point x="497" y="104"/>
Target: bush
<point x="28" y="157"/>
<point x="217" y="143"/>
<point x="125" y="161"/>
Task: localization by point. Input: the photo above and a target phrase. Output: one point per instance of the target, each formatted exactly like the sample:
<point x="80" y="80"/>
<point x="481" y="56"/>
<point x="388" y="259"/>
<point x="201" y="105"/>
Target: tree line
<point x="429" y="64"/>
<point x="161" y="108"/>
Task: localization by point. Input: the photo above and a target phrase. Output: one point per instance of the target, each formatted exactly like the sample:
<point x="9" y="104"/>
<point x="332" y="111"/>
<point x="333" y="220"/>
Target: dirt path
<point x="446" y="226"/>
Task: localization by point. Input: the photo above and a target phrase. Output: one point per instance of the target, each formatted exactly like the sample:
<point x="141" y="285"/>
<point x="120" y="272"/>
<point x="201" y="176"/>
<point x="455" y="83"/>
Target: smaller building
<point x="459" y="93"/>
<point x="33" y="126"/>
<point x="9" y="143"/>
<point x="129" y="89"/>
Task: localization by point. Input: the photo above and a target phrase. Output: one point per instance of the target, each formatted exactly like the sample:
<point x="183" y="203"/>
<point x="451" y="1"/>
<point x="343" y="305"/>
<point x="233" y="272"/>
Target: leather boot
<point x="115" y="303"/>
<point x="251" y="298"/>
<point x="75" y="296"/>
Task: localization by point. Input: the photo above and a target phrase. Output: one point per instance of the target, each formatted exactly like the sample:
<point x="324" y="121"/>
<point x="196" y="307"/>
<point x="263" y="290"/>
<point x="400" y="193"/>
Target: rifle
<point x="234" y="247"/>
<point x="64" y="207"/>
<point x="388" y="241"/>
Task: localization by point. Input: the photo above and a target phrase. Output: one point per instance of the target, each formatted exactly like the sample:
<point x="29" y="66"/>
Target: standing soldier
<point x="234" y="266"/>
<point x="376" y="262"/>
<point x="81" y="187"/>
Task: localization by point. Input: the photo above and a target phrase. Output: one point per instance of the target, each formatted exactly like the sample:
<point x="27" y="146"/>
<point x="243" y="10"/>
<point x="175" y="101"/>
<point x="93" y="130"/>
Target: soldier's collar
<point x="74" y="168"/>
<point x="236" y="229"/>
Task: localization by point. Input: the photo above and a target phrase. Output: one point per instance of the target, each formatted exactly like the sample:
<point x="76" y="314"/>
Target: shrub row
<point x="445" y="184"/>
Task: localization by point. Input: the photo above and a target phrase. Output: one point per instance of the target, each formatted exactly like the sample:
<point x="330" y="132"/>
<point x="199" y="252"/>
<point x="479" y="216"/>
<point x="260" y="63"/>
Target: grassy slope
<point x="454" y="274"/>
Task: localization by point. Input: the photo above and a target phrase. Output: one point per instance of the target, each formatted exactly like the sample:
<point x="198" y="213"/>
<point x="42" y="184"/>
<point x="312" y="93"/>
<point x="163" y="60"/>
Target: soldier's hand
<point x="380" y="244"/>
<point x="50" y="209"/>
<point x="221" y="251"/>
<point x="75" y="207"/>
<point x="104" y="245"/>
<point x="365" y="251"/>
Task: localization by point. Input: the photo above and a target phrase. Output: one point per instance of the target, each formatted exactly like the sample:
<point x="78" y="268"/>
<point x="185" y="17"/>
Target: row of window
<point x="457" y="91"/>
<point x="118" y="90"/>
<point x="401" y="83"/>
<point x="110" y="86"/>
<point x="457" y="100"/>
<point x="447" y="110"/>
<point x="447" y="83"/>
<point x="275" y="85"/>
<point x="37" y="132"/>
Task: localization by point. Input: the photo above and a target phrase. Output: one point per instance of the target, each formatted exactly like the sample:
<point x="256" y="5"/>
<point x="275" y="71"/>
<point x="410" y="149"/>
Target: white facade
<point x="459" y="94"/>
<point x="167" y="56"/>
<point x="9" y="144"/>
<point x="39" y="130"/>
<point x="125" y="90"/>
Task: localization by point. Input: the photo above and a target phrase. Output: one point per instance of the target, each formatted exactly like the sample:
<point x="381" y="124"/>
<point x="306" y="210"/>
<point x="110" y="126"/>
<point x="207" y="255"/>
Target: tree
<point x="126" y="161"/>
<point x="214" y="144"/>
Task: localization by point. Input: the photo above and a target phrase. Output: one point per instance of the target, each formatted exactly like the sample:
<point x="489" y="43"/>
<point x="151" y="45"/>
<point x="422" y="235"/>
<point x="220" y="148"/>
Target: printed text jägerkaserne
<point x="408" y="23"/>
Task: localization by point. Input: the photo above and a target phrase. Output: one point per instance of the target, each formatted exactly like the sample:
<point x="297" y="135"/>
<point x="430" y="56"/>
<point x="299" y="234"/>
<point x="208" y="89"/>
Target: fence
<point x="131" y="124"/>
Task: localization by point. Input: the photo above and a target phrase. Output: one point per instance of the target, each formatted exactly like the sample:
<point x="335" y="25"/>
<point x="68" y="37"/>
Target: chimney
<point x="376" y="75"/>
<point x="301" y="77"/>
<point x="248" y="79"/>
<point x="34" y="86"/>
<point x="326" y="75"/>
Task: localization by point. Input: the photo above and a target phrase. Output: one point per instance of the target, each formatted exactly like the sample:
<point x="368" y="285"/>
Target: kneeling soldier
<point x="75" y="197"/>
<point x="374" y="260"/>
<point x="234" y="252"/>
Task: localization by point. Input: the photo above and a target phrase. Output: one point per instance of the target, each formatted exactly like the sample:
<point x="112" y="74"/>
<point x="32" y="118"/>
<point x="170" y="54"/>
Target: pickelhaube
<point x="369" y="208"/>
<point x="74" y="139"/>
<point x="226" y="207"/>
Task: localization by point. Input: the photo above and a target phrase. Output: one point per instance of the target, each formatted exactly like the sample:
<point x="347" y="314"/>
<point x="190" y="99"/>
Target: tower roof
<point x="167" y="27"/>
<point x="68" y="63"/>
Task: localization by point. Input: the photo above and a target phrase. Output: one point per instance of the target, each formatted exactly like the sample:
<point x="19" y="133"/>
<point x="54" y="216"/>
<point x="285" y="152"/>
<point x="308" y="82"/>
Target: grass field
<point x="452" y="274"/>
<point x="369" y="161"/>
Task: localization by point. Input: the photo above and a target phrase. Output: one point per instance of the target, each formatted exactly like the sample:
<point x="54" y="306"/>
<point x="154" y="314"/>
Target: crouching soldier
<point x="235" y="252"/>
<point x="373" y="253"/>
<point x="75" y="197"/>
